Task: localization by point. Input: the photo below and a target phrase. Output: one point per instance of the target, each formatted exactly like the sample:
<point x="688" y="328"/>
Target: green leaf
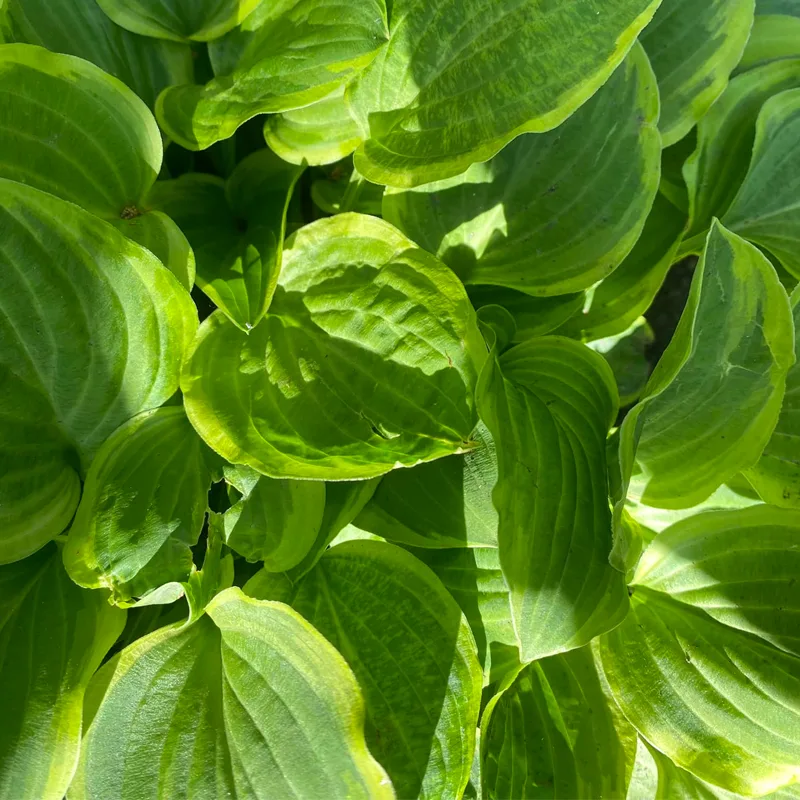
<point x="694" y="46"/>
<point x="551" y="733"/>
<point x="300" y="54"/>
<point x="626" y="355"/>
<point x="533" y="316"/>
<point x="143" y="507"/>
<point x="542" y="217"/>
<point x="474" y="579"/>
<point x="446" y="503"/>
<point x="725" y="139"/>
<point x="53" y="637"/>
<point x="776" y="476"/>
<point x="321" y="133"/>
<point x="80" y="28"/>
<point x="774" y="36"/>
<point x="178" y="20"/>
<point x="657" y="519"/>
<point x="412" y="652"/>
<point x="765" y="210"/>
<point x="719" y="701"/>
<point x="621" y="298"/>
<point x="461" y="79"/>
<point x="346" y="190"/>
<point x="549" y="404"/>
<point x="71" y="130"/>
<point x="236" y="230"/>
<point x="738" y="566"/>
<point x="165" y="240"/>
<point x="714" y="398"/>
<point x="93" y="330"/>
<point x="276" y="521"/>
<point x="249" y="701"/>
<point x="366" y="361"/>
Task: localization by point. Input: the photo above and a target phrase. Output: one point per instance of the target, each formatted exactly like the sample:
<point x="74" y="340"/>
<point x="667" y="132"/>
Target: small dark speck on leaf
<point x="129" y="212"/>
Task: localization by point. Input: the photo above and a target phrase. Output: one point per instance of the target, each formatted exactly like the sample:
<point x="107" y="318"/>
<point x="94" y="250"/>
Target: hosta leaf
<point x="715" y="396"/>
<point x="446" y="503"/>
<point x="737" y="566"/>
<point x="165" y="240"/>
<point x="675" y="783"/>
<point x="533" y="316"/>
<point x="53" y="637"/>
<point x="322" y="133"/>
<point x="143" y="506"/>
<point x="625" y="354"/>
<point x="301" y="53"/>
<point x="694" y="46"/>
<point x="92" y="331"/>
<point x="412" y="652"/>
<point x="774" y="36"/>
<point x="344" y="501"/>
<point x="549" y="404"/>
<point x="459" y="80"/>
<point x="276" y="521"/>
<point x="346" y="190"/>
<point x="71" y="130"/>
<point x="365" y="362"/>
<point x="776" y="476"/>
<point x="236" y="230"/>
<point x="178" y="20"/>
<point x="719" y="701"/>
<point x="80" y="28"/>
<point x="765" y="210"/>
<point x="249" y="701"/>
<point x="618" y="301"/>
<point x="474" y="578"/>
<point x="541" y="217"/>
<point x="551" y="733"/>
<point x="725" y="139"/>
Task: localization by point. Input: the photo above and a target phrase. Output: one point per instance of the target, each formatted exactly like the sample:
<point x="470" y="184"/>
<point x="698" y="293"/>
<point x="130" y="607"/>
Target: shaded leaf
<point x="542" y="217"/>
<point x="80" y="28"/>
<point x="53" y="637"/>
<point x="549" y="404"/>
<point x="765" y="210"/>
<point x="776" y="476"/>
<point x="276" y="521"/>
<point x="143" y="507"/>
<point x="178" y="20"/>
<point x="446" y="503"/>
<point x="92" y="331"/>
<point x="551" y="733"/>
<point x="412" y="652"/>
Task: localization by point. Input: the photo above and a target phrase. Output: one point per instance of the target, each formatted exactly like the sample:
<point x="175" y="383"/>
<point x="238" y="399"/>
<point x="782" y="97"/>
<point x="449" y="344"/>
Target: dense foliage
<point x="331" y="464"/>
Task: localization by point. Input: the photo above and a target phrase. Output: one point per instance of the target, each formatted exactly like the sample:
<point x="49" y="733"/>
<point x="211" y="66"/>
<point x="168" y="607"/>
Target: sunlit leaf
<point x="460" y="79"/>
<point x="720" y="701"/>
<point x="693" y="46"/>
<point x="715" y="396"/>
<point x="366" y="361"/>
<point x="248" y="701"/>
<point x="300" y="54"/>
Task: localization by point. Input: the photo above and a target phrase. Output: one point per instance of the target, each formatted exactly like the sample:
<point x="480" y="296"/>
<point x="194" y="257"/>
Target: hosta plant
<point x="349" y="444"/>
